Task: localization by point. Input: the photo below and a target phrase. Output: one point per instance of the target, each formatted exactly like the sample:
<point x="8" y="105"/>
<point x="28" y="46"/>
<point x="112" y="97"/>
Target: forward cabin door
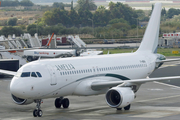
<point x="52" y="75"/>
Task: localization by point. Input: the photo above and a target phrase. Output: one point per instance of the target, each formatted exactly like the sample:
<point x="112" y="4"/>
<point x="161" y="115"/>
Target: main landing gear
<point x="38" y="112"/>
<point x="61" y="101"/>
<point x="125" y="108"/>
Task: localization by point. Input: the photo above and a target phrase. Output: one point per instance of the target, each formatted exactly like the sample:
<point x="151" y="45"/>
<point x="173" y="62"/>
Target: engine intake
<point x="21" y="101"/>
<point x="118" y="97"/>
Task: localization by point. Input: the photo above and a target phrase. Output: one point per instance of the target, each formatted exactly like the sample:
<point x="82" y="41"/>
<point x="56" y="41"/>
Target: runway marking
<point x="86" y="109"/>
<point x="167" y="84"/>
<point x="24" y="118"/>
<point x="159" y="98"/>
<point x="156" y="114"/>
<point x="90" y="119"/>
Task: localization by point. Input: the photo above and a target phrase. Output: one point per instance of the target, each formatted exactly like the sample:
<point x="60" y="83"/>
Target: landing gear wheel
<point x="35" y="113"/>
<point x="119" y="108"/>
<point x="127" y="107"/>
<point x="65" y="103"/>
<point x="57" y="103"/>
<point x="39" y="113"/>
<point x="30" y="58"/>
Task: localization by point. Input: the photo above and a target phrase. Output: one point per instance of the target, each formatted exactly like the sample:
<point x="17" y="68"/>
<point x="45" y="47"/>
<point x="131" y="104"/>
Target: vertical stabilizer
<point x="150" y="39"/>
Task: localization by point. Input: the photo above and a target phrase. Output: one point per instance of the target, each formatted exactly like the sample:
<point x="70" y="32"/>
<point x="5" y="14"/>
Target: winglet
<point x="50" y="40"/>
<point x="150" y="39"/>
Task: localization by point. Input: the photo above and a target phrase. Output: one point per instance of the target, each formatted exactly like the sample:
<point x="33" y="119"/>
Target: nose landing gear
<point x="38" y="112"/>
<point x="60" y="101"/>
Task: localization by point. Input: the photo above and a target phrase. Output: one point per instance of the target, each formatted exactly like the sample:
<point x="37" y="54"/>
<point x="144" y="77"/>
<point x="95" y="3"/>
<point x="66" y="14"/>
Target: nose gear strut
<point x="38" y="112"/>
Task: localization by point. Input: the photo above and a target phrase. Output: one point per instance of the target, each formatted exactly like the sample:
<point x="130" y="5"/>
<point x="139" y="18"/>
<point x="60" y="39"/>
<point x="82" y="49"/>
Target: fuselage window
<point x="86" y="71"/>
<point x="77" y="71"/>
<point x="39" y="74"/>
<point x="74" y="72"/>
<point x="33" y="74"/>
<point x="67" y="72"/>
<point x="60" y="73"/>
<point x="25" y="74"/>
<point x="90" y="70"/>
<point x="81" y="71"/>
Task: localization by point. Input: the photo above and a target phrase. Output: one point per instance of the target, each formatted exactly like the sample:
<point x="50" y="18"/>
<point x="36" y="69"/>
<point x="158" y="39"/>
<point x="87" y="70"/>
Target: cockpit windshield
<point x="33" y="74"/>
<point x="39" y="74"/>
<point x="28" y="74"/>
<point x="25" y="74"/>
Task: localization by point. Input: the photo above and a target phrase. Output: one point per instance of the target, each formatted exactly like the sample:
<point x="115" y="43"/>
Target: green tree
<point x="120" y="10"/>
<point x="163" y="12"/>
<point x="74" y="18"/>
<point x="58" y="5"/>
<point x="26" y="3"/>
<point x="86" y="4"/>
<point x="100" y="16"/>
<point x="84" y="16"/>
<point x="12" y="21"/>
<point x="11" y="30"/>
<point x="171" y="12"/>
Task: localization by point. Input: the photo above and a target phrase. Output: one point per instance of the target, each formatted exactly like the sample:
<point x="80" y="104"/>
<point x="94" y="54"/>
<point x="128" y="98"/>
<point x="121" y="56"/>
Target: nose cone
<point x="15" y="88"/>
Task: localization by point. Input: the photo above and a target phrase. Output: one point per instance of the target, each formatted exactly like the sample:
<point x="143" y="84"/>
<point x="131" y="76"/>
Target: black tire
<point x="29" y="58"/>
<point x="65" y="103"/>
<point x="127" y="107"/>
<point x="57" y="103"/>
<point x="119" y="108"/>
<point x="39" y="113"/>
<point x="35" y="113"/>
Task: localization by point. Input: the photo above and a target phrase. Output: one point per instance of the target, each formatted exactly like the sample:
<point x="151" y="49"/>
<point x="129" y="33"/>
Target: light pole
<point x="92" y="26"/>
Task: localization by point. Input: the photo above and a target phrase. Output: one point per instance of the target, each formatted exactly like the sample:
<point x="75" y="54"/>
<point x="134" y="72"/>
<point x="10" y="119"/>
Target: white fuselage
<point x="73" y="76"/>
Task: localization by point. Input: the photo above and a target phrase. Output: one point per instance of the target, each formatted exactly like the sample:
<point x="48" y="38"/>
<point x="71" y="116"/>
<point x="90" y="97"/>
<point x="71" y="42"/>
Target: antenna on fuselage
<point x="39" y="58"/>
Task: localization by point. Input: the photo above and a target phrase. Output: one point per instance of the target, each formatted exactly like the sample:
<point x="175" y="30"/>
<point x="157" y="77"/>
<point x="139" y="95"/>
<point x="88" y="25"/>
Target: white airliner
<point x="118" y="76"/>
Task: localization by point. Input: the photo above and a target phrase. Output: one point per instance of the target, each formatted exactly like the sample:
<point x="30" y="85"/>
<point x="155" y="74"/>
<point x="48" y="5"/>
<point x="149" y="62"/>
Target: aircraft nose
<point x="16" y="88"/>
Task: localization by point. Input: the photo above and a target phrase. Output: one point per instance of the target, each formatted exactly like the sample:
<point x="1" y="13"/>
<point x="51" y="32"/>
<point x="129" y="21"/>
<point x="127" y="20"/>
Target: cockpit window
<point x="39" y="74"/>
<point x="33" y="74"/>
<point x="25" y="74"/>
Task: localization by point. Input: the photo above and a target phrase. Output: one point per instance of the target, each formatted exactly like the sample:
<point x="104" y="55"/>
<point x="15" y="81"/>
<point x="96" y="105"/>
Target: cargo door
<point x="53" y="78"/>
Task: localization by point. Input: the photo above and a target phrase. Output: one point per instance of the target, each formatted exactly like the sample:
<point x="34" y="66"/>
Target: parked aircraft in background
<point x="119" y="76"/>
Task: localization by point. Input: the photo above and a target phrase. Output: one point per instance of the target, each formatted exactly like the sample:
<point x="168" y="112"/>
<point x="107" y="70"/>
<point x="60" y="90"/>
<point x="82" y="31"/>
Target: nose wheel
<point x="38" y="112"/>
<point x="61" y="102"/>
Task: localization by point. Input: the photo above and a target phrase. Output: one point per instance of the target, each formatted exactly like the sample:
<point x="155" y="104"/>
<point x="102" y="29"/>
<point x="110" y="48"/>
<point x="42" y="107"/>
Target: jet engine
<point x="21" y="101"/>
<point x="118" y="97"/>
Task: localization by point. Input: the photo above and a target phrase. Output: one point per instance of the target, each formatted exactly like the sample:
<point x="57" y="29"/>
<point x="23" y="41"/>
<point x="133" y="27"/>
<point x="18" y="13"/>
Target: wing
<point x="168" y="60"/>
<point x="7" y="72"/>
<point x="98" y="85"/>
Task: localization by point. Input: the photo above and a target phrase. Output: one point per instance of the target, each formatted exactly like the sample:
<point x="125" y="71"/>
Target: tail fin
<point x="150" y="39"/>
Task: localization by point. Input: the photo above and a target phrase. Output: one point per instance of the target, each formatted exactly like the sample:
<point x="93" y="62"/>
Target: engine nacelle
<point x="118" y="97"/>
<point x="21" y="101"/>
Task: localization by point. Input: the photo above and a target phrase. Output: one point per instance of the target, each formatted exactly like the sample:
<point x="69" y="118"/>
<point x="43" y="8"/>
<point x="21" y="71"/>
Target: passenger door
<point x="52" y="74"/>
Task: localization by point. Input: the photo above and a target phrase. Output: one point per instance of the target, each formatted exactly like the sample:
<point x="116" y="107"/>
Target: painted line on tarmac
<point x="165" y="84"/>
<point x="164" y="66"/>
<point x="159" y="98"/>
<point x="24" y="118"/>
<point x="86" y="109"/>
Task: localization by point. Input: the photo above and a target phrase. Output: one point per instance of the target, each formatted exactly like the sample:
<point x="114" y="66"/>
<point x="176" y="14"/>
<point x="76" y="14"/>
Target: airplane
<point x="118" y="76"/>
